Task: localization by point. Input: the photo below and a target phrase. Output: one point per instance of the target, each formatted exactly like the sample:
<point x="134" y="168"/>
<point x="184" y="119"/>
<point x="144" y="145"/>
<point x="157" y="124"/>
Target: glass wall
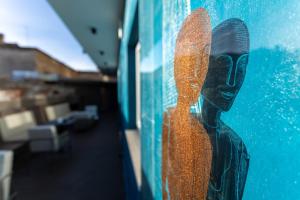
<point x="263" y="115"/>
<point x="123" y="70"/>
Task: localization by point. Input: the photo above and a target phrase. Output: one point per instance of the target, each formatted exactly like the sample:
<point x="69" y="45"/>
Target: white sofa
<point x="83" y="120"/>
<point x="6" y="164"/>
<point x="62" y="111"/>
<point x="21" y="127"/>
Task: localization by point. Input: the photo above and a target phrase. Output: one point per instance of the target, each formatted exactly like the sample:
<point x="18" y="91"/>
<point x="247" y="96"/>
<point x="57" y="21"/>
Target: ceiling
<point x="94" y="23"/>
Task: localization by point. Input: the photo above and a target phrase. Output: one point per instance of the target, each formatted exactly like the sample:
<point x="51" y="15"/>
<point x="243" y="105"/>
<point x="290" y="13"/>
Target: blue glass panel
<point x="266" y="112"/>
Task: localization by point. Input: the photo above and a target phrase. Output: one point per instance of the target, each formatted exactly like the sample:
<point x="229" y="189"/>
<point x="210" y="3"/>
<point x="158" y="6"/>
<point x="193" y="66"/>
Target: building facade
<point x="15" y="58"/>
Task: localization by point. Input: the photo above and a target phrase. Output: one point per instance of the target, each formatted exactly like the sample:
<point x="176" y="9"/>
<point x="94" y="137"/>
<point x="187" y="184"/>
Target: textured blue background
<point x="266" y="113"/>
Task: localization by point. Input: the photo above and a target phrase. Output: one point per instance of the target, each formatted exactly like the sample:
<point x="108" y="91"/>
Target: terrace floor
<point x="91" y="170"/>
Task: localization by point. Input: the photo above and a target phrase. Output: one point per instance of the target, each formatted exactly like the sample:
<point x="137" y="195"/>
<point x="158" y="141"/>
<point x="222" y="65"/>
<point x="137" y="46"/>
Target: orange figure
<point x="187" y="151"/>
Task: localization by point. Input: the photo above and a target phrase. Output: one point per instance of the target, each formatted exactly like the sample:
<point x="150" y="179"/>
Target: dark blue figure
<point x="225" y="76"/>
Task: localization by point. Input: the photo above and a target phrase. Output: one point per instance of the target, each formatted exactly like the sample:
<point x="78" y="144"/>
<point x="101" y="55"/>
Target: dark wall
<point x="104" y="95"/>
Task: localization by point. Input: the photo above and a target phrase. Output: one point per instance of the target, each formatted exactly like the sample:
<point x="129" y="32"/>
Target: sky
<point x="34" y="23"/>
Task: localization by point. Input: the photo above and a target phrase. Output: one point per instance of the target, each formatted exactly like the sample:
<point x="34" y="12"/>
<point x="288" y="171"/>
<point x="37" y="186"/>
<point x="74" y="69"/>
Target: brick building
<point x="15" y="58"/>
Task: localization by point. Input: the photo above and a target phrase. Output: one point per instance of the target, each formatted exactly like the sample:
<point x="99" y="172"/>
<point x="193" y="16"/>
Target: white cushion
<point x="14" y="127"/>
<point x="57" y="111"/>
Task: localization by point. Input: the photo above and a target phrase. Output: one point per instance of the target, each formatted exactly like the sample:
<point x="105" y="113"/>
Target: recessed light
<point x="93" y="30"/>
<point x="120" y="33"/>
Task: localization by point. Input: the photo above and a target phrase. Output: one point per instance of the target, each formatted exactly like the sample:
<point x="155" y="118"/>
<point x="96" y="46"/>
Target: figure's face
<point x="192" y="55"/>
<point x="224" y="79"/>
<point x="191" y="74"/>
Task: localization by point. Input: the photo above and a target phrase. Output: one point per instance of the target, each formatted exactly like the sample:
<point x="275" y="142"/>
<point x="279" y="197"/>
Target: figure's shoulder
<point x="228" y="134"/>
<point x="197" y="116"/>
<point x="168" y="115"/>
<point x="169" y="112"/>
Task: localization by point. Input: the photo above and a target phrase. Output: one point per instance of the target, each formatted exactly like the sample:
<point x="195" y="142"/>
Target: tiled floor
<point x="91" y="171"/>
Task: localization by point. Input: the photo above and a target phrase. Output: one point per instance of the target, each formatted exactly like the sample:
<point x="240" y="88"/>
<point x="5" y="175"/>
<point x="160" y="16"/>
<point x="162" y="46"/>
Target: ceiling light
<point x="93" y="30"/>
<point x="105" y="78"/>
<point x="101" y="52"/>
<point x="120" y="32"/>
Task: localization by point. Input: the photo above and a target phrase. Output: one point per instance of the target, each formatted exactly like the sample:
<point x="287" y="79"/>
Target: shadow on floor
<point x="91" y="170"/>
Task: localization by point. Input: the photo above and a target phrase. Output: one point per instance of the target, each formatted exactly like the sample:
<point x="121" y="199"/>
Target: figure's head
<point x="192" y="55"/>
<point x="227" y="63"/>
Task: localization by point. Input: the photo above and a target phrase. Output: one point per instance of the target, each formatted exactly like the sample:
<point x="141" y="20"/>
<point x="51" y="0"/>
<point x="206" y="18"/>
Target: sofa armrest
<point x="41" y="135"/>
<point x="42" y="132"/>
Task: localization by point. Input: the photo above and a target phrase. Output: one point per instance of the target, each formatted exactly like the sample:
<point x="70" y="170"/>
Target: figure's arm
<point x="165" y="136"/>
<point x="243" y="170"/>
<point x="239" y="171"/>
<point x="236" y="167"/>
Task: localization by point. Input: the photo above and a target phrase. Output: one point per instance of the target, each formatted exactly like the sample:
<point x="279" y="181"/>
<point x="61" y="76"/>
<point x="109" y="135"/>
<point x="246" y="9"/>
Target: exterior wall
<point x="265" y="113"/>
<point x="89" y="75"/>
<point x="1" y="39"/>
<point x="46" y="64"/>
<point x="15" y="59"/>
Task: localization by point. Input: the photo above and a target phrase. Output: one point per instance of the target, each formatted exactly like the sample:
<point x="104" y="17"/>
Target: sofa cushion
<point x="54" y="112"/>
<point x="14" y="127"/>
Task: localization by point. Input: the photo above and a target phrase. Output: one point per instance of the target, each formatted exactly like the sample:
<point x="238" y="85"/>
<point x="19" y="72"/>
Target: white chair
<point x="45" y="138"/>
<point x="6" y="164"/>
